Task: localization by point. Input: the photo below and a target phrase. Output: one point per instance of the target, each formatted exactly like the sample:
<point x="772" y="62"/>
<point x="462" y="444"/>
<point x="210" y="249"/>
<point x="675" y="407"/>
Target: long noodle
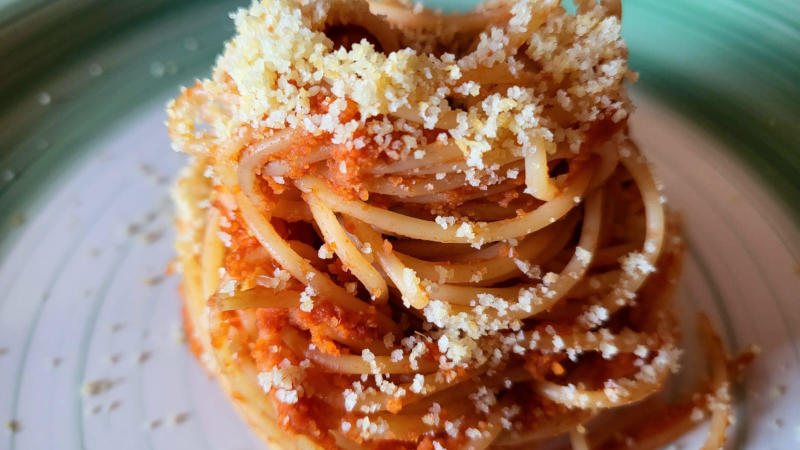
<point x="407" y="229"/>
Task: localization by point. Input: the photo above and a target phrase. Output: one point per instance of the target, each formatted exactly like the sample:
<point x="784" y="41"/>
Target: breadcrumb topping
<point x="281" y="64"/>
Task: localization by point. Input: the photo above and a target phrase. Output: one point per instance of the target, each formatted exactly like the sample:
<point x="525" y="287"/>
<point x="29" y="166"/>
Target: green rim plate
<point x="81" y="78"/>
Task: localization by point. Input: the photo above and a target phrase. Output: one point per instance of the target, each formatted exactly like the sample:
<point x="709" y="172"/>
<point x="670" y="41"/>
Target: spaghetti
<point x="405" y="229"/>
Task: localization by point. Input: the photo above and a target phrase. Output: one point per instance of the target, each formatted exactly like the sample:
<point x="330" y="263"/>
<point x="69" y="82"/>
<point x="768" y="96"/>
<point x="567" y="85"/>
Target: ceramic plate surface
<point x="90" y="348"/>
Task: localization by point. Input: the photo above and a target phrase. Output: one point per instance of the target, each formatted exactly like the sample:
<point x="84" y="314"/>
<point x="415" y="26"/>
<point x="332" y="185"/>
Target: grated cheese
<point x="583" y="255"/>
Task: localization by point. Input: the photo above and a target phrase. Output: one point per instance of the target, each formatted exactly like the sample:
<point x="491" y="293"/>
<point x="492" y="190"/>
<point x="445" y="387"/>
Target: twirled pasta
<point x="406" y="229"/>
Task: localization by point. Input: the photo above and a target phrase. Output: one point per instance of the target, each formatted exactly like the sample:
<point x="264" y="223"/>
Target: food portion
<point x="405" y="229"/>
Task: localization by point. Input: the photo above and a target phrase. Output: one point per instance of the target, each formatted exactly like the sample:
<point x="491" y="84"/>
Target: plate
<point x="91" y="353"/>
